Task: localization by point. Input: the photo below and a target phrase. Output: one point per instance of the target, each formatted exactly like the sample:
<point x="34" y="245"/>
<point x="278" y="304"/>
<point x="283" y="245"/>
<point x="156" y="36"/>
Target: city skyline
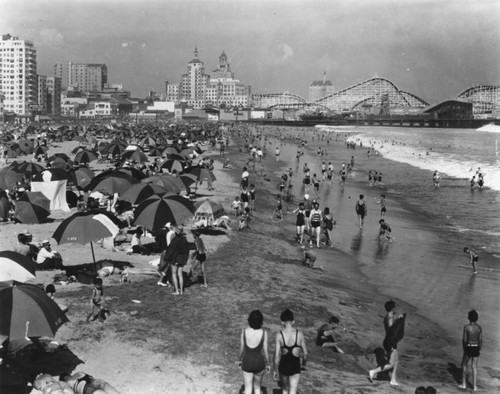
<point x="434" y="49"/>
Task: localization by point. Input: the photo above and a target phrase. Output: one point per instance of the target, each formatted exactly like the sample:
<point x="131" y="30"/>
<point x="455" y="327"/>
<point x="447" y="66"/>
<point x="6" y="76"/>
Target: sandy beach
<point x="189" y="344"/>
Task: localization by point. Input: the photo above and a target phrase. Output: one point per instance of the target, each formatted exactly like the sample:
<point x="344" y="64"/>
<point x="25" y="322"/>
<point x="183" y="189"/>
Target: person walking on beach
<point x="391" y="349"/>
<point x="180" y="248"/>
<point x="382" y="203"/>
<point x="472" y="341"/>
<point x="277" y="152"/>
<point x="474" y="258"/>
<point x="300" y="222"/>
<point x="315" y="218"/>
<point x="290" y="351"/>
<point x="279" y="209"/>
<point x="436" y="178"/>
<point x="361" y="210"/>
<point x="329" y="223"/>
<point x="201" y="255"/>
<point x="253" y="354"/>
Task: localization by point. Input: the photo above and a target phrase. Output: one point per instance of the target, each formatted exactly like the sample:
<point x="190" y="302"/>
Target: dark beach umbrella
<point x="132" y="172"/>
<point x="85" y="156"/>
<point x="51" y="174"/>
<point x="26" y="146"/>
<point x="9" y="178"/>
<point x="201" y="173"/>
<point x="155" y="151"/>
<point x="115" y="148"/>
<point x="59" y="155"/>
<point x="28" y="312"/>
<point x="83" y="228"/>
<point x="176" y="156"/>
<point x="171" y="183"/>
<point x="171" y="165"/>
<point x="71" y="198"/>
<point x="40" y="150"/>
<point x="170" y="150"/>
<point x="13" y="149"/>
<point x="59" y="162"/>
<point x="156" y="211"/>
<point x="111" y="182"/>
<point x="15" y="266"/>
<point x="32" y="207"/>
<point x="135" y="155"/>
<point x="142" y="191"/>
<point x="188" y="180"/>
<point x="29" y="168"/>
<point x="80" y="176"/>
<point x="148" y="141"/>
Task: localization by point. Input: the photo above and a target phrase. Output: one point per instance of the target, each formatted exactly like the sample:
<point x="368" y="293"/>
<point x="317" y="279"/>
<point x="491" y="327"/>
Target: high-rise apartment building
<point x="87" y="77"/>
<point x="18" y="77"/>
<point x="320" y="89"/>
<point x="171" y="91"/>
<point x="42" y="93"/>
<point x="194" y="83"/>
<point x="54" y="89"/>
<point x="59" y="72"/>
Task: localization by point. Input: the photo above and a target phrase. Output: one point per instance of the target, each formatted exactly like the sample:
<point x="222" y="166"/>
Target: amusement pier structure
<point x="377" y="101"/>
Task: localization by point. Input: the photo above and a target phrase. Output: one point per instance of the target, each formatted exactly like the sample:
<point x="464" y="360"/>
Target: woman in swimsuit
<point x="287" y="357"/>
<point x="83" y="383"/>
<point x="254" y="358"/>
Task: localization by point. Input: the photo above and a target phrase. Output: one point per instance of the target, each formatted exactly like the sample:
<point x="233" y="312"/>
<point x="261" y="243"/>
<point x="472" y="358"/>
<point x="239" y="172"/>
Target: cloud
<point x="50" y="37"/>
<point x="286" y="52"/>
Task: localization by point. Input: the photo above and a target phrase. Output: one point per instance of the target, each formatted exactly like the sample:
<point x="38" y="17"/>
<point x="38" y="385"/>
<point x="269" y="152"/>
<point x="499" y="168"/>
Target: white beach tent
<point x="54" y="190"/>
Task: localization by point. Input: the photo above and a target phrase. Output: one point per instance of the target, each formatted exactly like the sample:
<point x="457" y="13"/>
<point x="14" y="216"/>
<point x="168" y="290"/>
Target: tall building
<point x="194" y="83"/>
<point x="224" y="89"/>
<point x="42" y="93"/>
<point x="87" y="77"/>
<point x="59" y="73"/>
<point x="18" y="77"/>
<point x="54" y="89"/>
<point x="320" y="89"/>
<point x="171" y="91"/>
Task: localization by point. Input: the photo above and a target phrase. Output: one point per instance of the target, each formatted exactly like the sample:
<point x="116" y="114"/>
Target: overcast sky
<point x="431" y="48"/>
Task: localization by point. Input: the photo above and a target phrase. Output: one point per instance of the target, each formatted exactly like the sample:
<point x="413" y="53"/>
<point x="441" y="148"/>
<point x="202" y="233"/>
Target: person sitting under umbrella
<point x="47" y="258"/>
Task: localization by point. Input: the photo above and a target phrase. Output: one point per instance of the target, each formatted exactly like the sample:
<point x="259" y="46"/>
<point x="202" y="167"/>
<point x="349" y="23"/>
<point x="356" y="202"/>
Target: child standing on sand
<point x="278" y="210"/>
<point x="474" y="258"/>
<point x="236" y="205"/>
<point x="96" y="300"/>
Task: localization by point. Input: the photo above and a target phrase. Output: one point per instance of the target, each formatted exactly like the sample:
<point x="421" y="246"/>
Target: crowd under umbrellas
<point x="153" y="172"/>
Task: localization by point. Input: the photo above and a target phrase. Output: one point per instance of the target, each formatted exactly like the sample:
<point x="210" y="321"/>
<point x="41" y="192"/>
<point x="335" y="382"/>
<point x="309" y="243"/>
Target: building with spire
<point x="194" y="83"/>
<point x="320" y="89"/>
<point x="223" y="89"/>
<point x="18" y="77"/>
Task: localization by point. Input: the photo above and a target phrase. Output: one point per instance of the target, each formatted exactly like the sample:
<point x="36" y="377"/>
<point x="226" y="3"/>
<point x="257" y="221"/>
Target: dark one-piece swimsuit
<point x="289" y="363"/>
<point x="253" y="359"/>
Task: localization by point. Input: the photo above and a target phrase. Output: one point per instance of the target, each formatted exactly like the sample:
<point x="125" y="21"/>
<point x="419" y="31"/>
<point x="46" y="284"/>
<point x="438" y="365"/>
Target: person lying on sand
<point x="83" y="383"/>
<point x="49" y="385"/>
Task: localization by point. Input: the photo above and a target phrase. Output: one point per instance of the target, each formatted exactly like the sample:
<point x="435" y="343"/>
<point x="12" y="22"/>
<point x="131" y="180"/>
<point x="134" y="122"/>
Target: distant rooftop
<point x="322" y="83"/>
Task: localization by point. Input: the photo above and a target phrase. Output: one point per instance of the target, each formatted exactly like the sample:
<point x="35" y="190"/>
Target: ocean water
<point x="457" y="154"/>
<point x="425" y="265"/>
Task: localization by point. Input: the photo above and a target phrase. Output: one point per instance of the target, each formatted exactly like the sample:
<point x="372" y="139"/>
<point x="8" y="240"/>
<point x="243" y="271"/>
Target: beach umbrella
<point x="208" y="209"/>
<point x="142" y="191"/>
<point x="156" y="211"/>
<point x="156" y="151"/>
<point x="135" y="155"/>
<point x="201" y="173"/>
<point x="86" y="227"/>
<point x="51" y="174"/>
<point x="59" y="155"/>
<point x="28" y="312"/>
<point x="32" y="207"/>
<point x="80" y="176"/>
<point x="170" y="150"/>
<point x="176" y="156"/>
<point x="59" y="162"/>
<point x="85" y="156"/>
<point x="111" y="182"/>
<point x="170" y="182"/>
<point x="115" y="148"/>
<point x="9" y="178"/>
<point x="132" y="172"/>
<point x="13" y="149"/>
<point x="40" y="150"/>
<point x="26" y="146"/>
<point x="15" y="266"/>
<point x="148" y="141"/>
<point x="188" y="180"/>
<point x="29" y="168"/>
<point x="171" y="165"/>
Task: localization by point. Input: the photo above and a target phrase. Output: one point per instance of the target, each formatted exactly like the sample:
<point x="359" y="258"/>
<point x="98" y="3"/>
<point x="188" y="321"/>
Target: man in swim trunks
<point x="472" y="341"/>
<point x="474" y="258"/>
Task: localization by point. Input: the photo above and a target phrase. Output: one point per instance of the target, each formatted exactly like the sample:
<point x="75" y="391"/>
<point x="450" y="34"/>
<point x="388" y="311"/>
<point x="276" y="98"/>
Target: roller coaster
<point x="485" y="99"/>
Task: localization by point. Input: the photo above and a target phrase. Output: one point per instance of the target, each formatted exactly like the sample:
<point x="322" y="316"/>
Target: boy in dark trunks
<point x="472" y="342"/>
<point x="474" y="258"/>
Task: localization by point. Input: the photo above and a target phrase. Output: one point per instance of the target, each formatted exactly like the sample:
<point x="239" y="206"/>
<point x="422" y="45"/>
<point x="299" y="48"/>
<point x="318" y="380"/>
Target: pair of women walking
<point x="290" y="355"/>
